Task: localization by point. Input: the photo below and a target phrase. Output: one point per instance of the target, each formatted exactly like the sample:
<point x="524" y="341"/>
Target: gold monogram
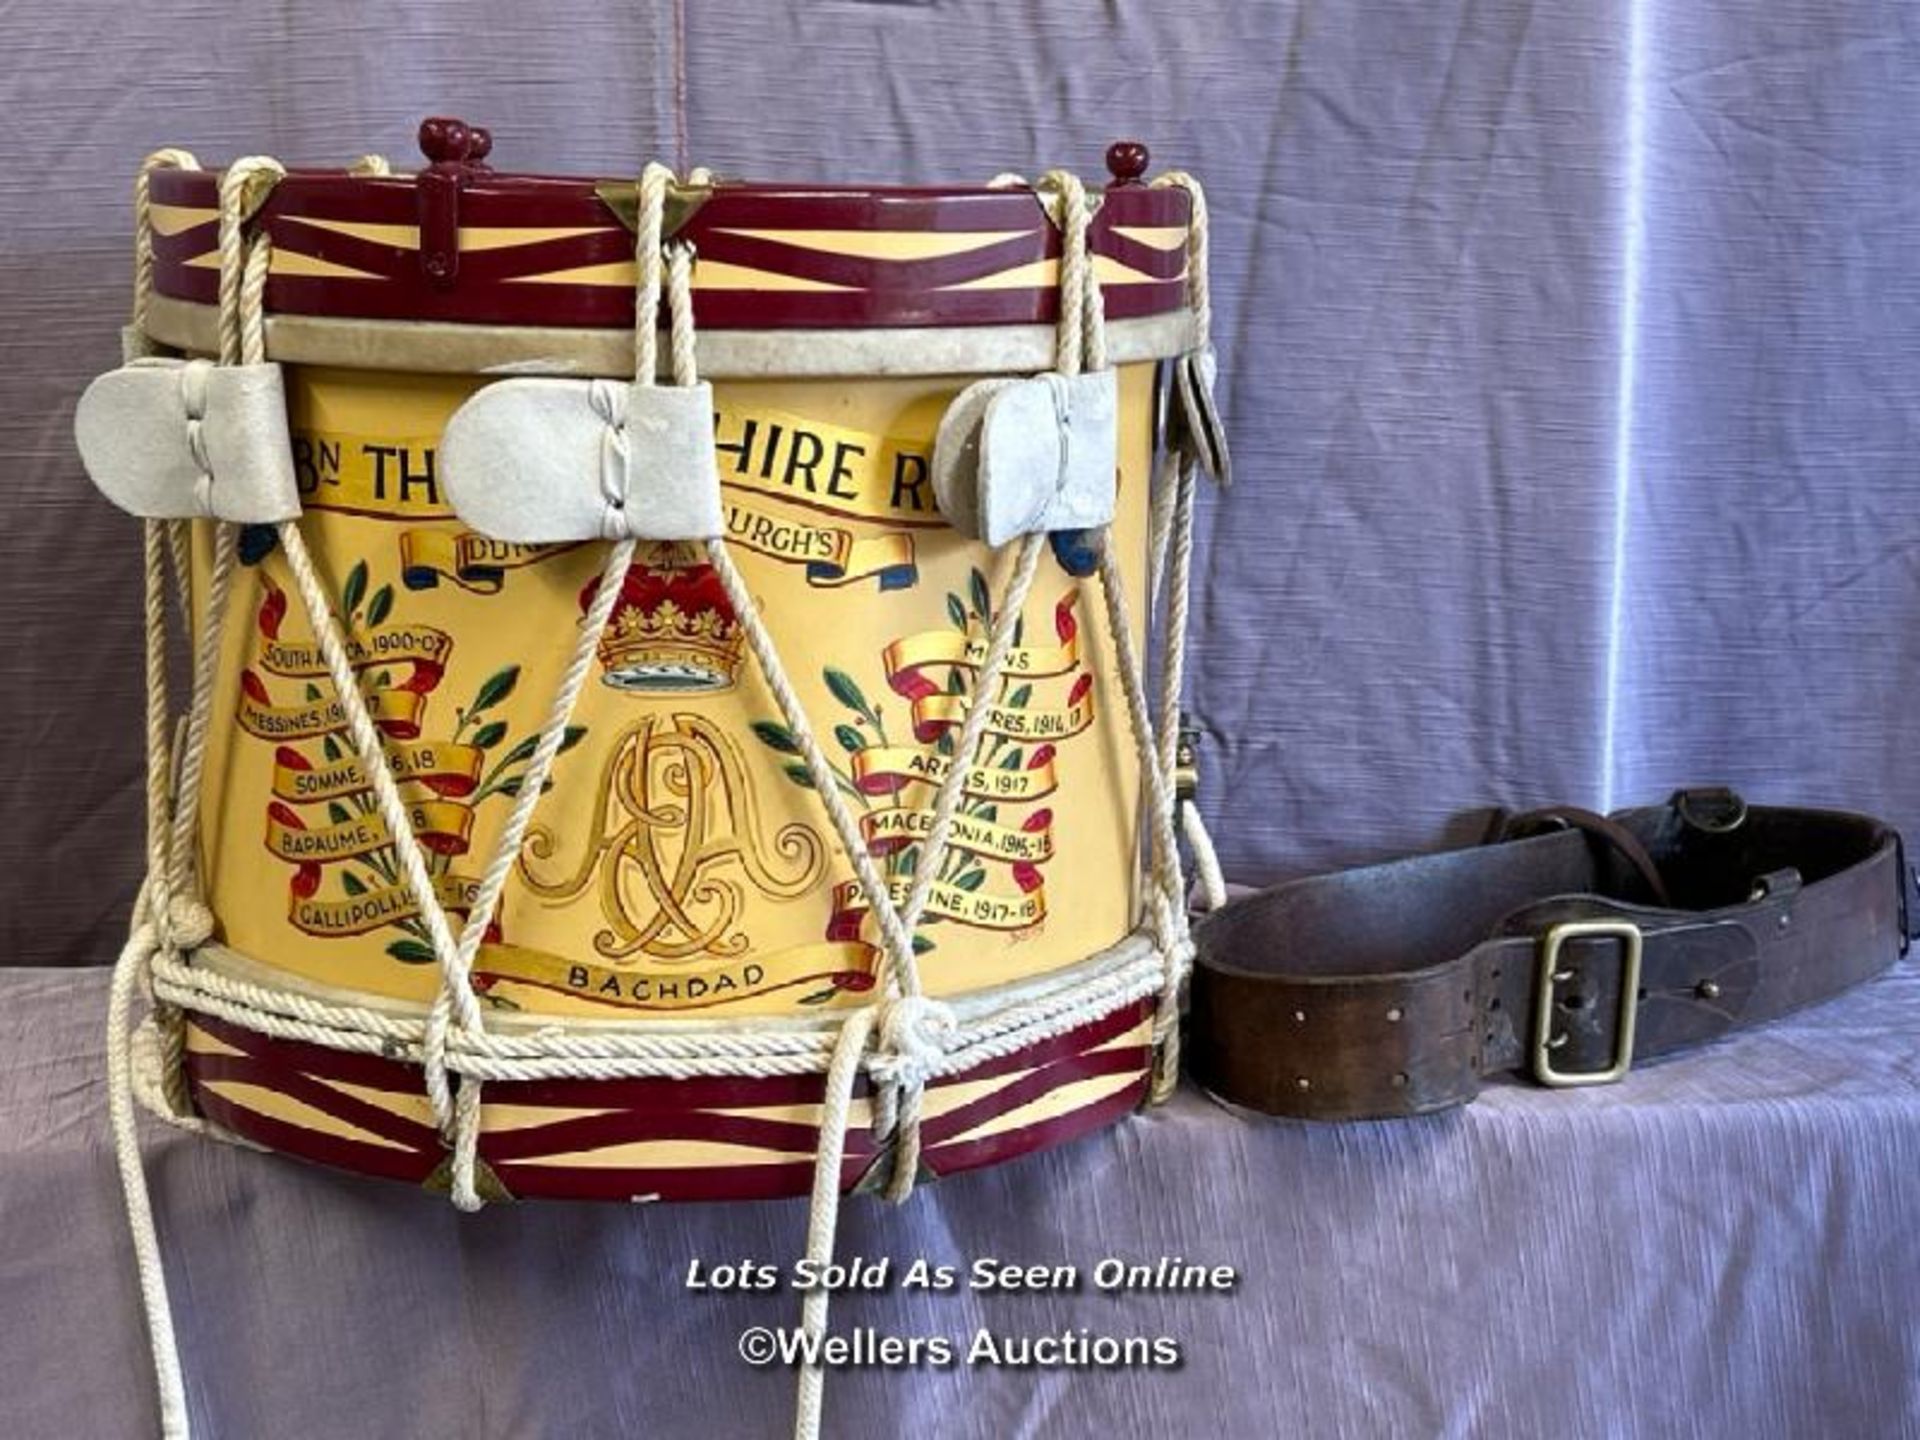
<point x="675" y="807"/>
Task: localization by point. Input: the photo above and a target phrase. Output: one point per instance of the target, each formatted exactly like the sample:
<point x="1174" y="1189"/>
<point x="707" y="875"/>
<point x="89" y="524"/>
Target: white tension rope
<point x="900" y="1042"/>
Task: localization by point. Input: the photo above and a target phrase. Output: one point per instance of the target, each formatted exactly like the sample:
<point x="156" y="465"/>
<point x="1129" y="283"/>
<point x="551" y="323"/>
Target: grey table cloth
<point x="1725" y="1245"/>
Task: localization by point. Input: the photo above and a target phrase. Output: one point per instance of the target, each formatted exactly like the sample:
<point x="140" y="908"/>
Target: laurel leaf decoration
<point x="776" y="736"/>
<point x="496" y="687"/>
<point x="355" y="589"/>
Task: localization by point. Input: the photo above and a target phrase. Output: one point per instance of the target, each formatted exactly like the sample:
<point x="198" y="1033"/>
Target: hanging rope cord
<point x="1081" y="316"/>
<point x="245" y="260"/>
<point x="1169" y="589"/>
<point x="171" y="917"/>
<point x="652" y="266"/>
<point x="1173" y="550"/>
<point x="165" y="541"/>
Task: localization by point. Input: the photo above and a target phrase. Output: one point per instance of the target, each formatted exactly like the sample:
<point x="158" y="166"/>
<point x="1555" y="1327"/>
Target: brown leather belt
<point x="1569" y="948"/>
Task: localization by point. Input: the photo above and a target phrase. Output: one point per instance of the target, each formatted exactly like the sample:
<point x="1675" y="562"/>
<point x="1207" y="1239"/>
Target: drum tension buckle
<point x="1186" y="765"/>
<point x="1713" y="810"/>
<point x="1549" y="974"/>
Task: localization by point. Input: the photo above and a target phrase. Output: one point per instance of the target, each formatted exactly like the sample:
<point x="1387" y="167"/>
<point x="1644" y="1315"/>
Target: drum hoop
<point x="225" y="960"/>
<point x="446" y="348"/>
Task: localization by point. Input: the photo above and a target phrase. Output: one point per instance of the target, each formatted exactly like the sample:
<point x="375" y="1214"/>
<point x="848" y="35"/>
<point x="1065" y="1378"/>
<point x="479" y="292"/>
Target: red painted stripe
<point x="740" y="1182"/>
<point x="952" y="1159"/>
<point x="173" y="276"/>
<point x="410" y="1166"/>
<point x="1028" y="1088"/>
<point x="1161" y="264"/>
<point x="188" y="244"/>
<point x="705" y="1093"/>
<point x="787" y="1180"/>
<point x="1073" y="1042"/>
<point x="873" y="272"/>
<point x="199" y="287"/>
<point x="374" y="1071"/>
<point x="390" y="262"/>
<point x="349" y="1109"/>
<point x="768" y="207"/>
<point x="544" y="257"/>
<point x="400" y="264"/>
<point x="621" y="1127"/>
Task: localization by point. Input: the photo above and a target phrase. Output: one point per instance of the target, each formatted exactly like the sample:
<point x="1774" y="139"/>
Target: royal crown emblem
<point x="673" y="629"/>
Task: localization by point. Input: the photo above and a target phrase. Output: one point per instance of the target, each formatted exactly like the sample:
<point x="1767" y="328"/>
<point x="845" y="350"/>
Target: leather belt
<point x="1568" y="948"/>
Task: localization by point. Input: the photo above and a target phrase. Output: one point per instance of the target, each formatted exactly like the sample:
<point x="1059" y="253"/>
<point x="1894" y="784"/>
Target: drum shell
<point x="680" y="864"/>
<point x="676" y="870"/>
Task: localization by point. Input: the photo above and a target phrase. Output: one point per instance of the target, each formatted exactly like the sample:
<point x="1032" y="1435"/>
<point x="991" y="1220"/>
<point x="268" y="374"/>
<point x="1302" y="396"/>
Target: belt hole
<point x="1303" y="1083"/>
<point x="1493" y="1004"/>
<point x="1399" y="1081"/>
<point x="1577" y="1001"/>
<point x="1393" y="1015"/>
<point x="1299" y="1017"/>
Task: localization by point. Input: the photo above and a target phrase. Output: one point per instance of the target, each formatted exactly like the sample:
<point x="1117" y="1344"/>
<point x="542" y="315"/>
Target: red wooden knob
<point x="1126" y="161"/>
<point x="445" y="140"/>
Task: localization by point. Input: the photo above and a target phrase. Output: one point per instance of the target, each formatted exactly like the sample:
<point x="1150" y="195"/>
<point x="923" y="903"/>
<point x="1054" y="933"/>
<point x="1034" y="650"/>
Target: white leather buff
<point x="188" y="439"/>
<point x="1024" y="457"/>
<point x="538" y="460"/>
<point x="956" y="455"/>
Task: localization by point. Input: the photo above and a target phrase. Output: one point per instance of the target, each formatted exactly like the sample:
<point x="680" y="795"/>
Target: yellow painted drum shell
<point x="680" y="863"/>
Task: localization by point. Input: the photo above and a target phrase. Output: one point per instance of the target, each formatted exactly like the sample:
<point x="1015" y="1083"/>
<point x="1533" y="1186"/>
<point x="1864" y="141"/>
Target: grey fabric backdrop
<point x="1572" y="356"/>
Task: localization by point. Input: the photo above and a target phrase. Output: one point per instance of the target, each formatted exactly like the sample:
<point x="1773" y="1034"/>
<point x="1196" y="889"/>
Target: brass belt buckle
<point x="1549" y="974"/>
